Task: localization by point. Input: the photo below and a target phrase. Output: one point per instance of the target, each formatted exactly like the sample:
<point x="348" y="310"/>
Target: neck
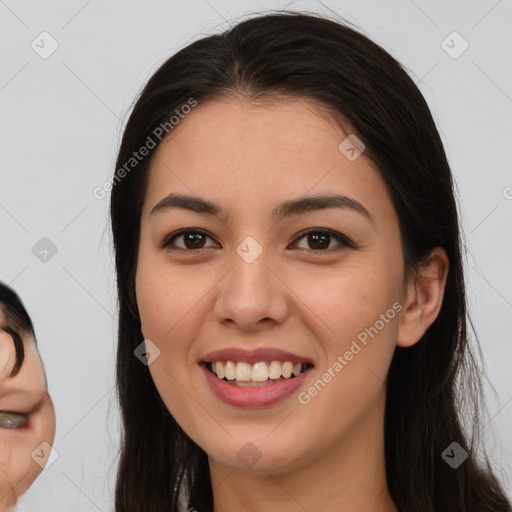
<point x="350" y="477"/>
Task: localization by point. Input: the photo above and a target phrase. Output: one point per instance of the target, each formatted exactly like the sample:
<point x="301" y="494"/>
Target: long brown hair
<point x="313" y="57"/>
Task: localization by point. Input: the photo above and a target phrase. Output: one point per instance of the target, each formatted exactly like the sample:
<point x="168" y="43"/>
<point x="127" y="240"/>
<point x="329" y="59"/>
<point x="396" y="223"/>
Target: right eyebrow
<point x="195" y="204"/>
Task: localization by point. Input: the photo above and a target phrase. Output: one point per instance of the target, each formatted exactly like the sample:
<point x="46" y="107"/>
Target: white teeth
<point x="229" y="370"/>
<point x="274" y="370"/>
<point x="243" y="372"/>
<point x="258" y="372"/>
<point x="286" y="370"/>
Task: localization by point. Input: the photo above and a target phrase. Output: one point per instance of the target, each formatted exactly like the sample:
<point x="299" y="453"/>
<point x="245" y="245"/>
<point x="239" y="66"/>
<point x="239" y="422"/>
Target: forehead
<point x="277" y="130"/>
<point x="262" y="152"/>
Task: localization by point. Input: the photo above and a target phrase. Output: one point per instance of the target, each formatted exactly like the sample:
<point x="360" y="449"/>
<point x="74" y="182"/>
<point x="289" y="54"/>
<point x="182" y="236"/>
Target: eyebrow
<point x="288" y="208"/>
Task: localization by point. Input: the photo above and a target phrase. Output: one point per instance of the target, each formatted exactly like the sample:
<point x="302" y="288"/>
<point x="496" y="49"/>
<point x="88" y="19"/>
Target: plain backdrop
<point x="61" y="121"/>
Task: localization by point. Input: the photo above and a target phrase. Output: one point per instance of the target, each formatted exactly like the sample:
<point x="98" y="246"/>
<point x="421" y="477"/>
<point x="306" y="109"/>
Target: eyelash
<point x="344" y="241"/>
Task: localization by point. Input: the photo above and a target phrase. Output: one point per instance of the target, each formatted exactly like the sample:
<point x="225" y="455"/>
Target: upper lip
<point x="254" y="356"/>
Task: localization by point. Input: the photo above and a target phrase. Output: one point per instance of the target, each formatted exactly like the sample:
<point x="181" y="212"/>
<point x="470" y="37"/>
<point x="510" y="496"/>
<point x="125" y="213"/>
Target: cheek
<point x="355" y="319"/>
<point x="7" y="495"/>
<point x="341" y="304"/>
<point x="172" y="305"/>
<point x="16" y="464"/>
<point x="352" y="378"/>
<point x="359" y="344"/>
<point x="167" y="301"/>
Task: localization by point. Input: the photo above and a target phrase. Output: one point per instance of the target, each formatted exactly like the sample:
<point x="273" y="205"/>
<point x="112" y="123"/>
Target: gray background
<point x="61" y="120"/>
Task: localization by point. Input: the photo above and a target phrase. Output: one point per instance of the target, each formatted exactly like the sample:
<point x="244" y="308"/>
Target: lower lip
<point x="253" y="397"/>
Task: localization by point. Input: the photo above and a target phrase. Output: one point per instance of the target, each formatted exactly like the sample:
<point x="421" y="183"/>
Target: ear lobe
<point x="424" y="299"/>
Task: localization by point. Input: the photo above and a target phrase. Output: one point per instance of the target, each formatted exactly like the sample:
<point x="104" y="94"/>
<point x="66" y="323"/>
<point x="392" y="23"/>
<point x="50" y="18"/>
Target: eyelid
<point x="341" y="238"/>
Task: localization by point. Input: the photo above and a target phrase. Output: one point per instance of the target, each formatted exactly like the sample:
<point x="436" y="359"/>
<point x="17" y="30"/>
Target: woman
<point x="27" y="416"/>
<point x="287" y="244"/>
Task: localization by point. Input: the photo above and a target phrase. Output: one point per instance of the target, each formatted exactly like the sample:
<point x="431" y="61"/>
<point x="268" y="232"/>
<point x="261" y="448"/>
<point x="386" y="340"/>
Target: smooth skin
<point x="25" y="395"/>
<point x="249" y="157"/>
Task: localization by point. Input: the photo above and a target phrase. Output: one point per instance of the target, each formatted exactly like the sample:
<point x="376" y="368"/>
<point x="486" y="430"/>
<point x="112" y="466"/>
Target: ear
<point x="424" y="298"/>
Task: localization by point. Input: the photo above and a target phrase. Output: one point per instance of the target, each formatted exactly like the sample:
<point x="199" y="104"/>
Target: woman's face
<point x="248" y="278"/>
<point x="27" y="419"/>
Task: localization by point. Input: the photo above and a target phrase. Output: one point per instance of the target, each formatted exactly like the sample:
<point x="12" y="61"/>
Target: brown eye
<point x="191" y="240"/>
<point x="320" y="239"/>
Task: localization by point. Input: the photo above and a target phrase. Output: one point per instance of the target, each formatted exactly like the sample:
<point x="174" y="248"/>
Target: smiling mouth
<point x="263" y="373"/>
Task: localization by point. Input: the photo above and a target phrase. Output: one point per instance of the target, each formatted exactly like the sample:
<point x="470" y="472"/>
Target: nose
<point x="252" y="296"/>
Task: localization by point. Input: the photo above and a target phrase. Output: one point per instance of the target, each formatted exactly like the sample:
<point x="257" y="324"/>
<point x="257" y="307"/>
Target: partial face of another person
<point x="251" y="277"/>
<point x="27" y="419"/>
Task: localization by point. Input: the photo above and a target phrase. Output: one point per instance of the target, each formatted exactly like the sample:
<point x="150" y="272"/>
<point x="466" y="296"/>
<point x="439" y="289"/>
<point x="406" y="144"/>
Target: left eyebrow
<point x="286" y="209"/>
<point x="322" y="202"/>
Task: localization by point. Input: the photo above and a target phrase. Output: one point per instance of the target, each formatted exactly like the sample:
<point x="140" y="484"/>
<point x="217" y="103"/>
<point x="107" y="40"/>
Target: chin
<point x="259" y="456"/>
